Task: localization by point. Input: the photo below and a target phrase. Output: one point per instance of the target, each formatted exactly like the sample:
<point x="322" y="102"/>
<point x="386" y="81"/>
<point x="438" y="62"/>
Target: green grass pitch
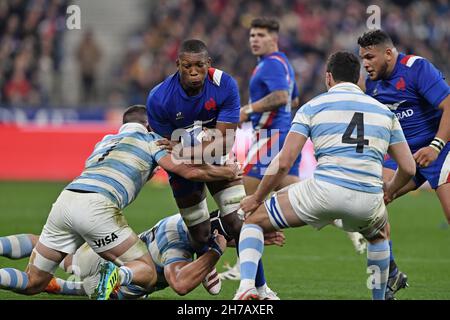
<point x="312" y="265"/>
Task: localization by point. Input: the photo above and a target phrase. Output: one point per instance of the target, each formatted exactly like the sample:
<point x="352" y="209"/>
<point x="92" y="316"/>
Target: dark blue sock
<point x="392" y="265"/>
<point x="260" y="279"/>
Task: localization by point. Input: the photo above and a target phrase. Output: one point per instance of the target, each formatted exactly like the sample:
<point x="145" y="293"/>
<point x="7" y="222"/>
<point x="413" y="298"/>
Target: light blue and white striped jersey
<point x="121" y="164"/>
<point x="351" y="133"/>
<point x="168" y="241"/>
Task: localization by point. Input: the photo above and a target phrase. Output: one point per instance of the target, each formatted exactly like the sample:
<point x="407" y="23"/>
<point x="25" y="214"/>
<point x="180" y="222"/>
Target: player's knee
<point x="196" y="214"/>
<point x="232" y="224"/>
<point x="200" y="233"/>
<point x="228" y="200"/>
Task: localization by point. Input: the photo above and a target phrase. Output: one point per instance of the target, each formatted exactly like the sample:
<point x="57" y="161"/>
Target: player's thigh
<point x="59" y="232"/>
<point x="250" y="184"/>
<point x="443" y="193"/>
<point x="217" y="186"/>
<point x="227" y="195"/>
<point x="275" y="213"/>
<point x="132" y="249"/>
<point x="186" y="193"/>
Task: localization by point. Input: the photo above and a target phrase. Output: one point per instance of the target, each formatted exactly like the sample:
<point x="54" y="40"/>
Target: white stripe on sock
<point x="378" y="255"/>
<point x="250" y="232"/>
<point x="249" y="255"/>
<point x="20" y="278"/>
<point x="15" y="246"/>
<point x="5" y="279"/>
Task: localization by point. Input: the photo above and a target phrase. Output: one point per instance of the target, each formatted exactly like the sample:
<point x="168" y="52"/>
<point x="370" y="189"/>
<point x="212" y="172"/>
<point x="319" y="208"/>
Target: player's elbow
<point x="284" y="165"/>
<point x="181" y="288"/>
<point x="409" y="168"/>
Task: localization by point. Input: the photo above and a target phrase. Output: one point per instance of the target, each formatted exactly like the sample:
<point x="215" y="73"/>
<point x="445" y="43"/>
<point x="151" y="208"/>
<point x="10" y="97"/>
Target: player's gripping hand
<point x="167" y="145"/>
<point x="218" y="242"/>
<point x="425" y="156"/>
<point x="236" y="169"/>
<point x="249" y="204"/>
<point x="388" y="196"/>
<point x="276" y="237"/>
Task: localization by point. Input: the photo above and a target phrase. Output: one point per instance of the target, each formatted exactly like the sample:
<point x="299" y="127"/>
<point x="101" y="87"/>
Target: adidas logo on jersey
<point x="395" y="106"/>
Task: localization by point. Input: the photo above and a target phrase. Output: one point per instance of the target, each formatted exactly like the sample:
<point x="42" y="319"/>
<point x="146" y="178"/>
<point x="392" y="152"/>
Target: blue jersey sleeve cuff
<point x="397" y="137"/>
<point x="161" y="153"/>
<point x="300" y="129"/>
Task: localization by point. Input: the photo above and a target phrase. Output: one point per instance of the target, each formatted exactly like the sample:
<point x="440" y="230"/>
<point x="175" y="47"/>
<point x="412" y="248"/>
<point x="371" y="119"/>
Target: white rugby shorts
<point x="319" y="203"/>
<point x="76" y="218"/>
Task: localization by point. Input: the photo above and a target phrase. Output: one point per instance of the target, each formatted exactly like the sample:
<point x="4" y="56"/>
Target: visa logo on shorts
<point x="106" y="240"/>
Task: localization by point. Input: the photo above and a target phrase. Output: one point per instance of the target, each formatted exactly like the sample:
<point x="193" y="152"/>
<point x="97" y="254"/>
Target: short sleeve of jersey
<point x="229" y="111"/>
<point x="157" y="151"/>
<point x="301" y="123"/>
<point x="174" y="255"/>
<point x="274" y="75"/>
<point x="157" y="117"/>
<point x="430" y="82"/>
<point x="397" y="134"/>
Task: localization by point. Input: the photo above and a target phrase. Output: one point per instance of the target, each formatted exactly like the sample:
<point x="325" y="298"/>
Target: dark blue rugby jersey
<point x="170" y="108"/>
<point x="273" y="72"/>
<point x="413" y="92"/>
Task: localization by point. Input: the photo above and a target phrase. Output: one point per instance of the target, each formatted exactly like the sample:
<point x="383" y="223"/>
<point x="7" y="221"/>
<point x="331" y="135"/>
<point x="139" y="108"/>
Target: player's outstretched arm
<point x="270" y="102"/>
<point x="203" y="173"/>
<point x="401" y="153"/>
<point x="183" y="277"/>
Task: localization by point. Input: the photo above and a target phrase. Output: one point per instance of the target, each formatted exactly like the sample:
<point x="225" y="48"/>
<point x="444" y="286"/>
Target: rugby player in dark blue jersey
<point x="273" y="91"/>
<point x="198" y="94"/>
<point x="420" y="98"/>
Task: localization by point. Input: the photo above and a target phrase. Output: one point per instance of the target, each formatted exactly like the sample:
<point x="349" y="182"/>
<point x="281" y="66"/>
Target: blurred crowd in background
<point x="31" y="51"/>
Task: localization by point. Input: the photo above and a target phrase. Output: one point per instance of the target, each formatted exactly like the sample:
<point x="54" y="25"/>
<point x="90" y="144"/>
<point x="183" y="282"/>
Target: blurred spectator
<point x="32" y="31"/>
<point x="310" y="30"/>
<point x="89" y="57"/>
<point x="30" y="50"/>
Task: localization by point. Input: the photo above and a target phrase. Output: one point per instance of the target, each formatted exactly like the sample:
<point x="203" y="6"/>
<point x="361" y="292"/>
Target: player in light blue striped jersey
<point x="170" y="248"/>
<point x="89" y="210"/>
<point x="351" y="133"/>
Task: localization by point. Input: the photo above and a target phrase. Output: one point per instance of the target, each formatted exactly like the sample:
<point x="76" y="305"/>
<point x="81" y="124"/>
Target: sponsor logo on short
<point x="106" y="240"/>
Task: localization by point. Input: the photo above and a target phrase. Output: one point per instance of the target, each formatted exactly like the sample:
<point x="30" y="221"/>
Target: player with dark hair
<point x="174" y="259"/>
<point x="416" y="92"/>
<point x="89" y="209"/>
<point x="199" y="95"/>
<point x="273" y="92"/>
<point x="347" y="182"/>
